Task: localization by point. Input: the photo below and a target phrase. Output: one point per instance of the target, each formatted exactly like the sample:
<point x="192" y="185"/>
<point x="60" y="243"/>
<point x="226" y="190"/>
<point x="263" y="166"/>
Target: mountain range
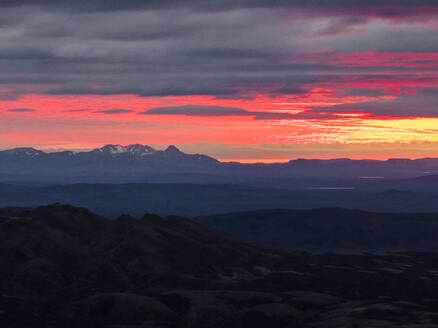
<point x="136" y="179"/>
<point x="109" y="157"/>
<point x="116" y="163"/>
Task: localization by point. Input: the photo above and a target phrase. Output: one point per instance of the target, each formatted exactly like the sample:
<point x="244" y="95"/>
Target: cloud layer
<point x="21" y="110"/>
<point x="247" y="71"/>
<point x="114" y="111"/>
<point x="195" y="110"/>
<point x="173" y="48"/>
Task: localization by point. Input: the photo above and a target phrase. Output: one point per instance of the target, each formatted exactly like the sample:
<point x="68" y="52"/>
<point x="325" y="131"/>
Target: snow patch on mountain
<point x="137" y="150"/>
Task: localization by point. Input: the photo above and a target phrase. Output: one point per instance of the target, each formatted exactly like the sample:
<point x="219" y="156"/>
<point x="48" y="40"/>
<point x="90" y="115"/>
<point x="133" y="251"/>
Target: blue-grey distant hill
<point x="206" y="199"/>
<point x="141" y="163"/>
<point x="136" y="179"/>
<point x="331" y="229"/>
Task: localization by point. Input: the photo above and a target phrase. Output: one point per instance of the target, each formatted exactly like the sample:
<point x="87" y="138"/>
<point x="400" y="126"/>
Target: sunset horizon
<point x="313" y="79"/>
<point x="262" y="153"/>
<point x="219" y="163"/>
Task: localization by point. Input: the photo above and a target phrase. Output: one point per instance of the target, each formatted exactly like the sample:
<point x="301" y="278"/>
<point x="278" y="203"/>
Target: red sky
<point x="250" y="84"/>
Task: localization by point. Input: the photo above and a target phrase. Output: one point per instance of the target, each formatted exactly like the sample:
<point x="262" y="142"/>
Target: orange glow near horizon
<point x="77" y="122"/>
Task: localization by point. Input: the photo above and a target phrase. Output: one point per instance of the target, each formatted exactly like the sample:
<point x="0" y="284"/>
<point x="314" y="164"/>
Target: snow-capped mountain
<point x="137" y="149"/>
<point x="25" y="151"/>
<point x="110" y="159"/>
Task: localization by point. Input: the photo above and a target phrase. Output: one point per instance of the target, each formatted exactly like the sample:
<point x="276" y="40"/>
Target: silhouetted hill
<point x="325" y="230"/>
<point x="63" y="266"/>
<point x="422" y="182"/>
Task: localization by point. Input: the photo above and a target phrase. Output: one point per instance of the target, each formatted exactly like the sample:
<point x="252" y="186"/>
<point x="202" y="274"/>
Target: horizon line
<point x="249" y="160"/>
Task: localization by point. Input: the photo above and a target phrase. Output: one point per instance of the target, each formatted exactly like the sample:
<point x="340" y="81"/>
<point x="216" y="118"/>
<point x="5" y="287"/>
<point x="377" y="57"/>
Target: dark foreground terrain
<point x="62" y="266"/>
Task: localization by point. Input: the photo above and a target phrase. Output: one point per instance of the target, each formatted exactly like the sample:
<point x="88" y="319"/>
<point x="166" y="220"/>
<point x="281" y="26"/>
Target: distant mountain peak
<point x="172" y="149"/>
<point x="28" y="151"/>
<point x="113" y="149"/>
<point x="135" y="149"/>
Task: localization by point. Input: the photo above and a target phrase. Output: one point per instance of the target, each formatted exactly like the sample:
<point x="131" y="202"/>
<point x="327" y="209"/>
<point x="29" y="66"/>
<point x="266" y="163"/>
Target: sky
<point x="259" y="80"/>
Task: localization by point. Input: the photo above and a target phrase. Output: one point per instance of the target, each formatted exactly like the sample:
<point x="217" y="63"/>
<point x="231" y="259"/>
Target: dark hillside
<point x="63" y="266"/>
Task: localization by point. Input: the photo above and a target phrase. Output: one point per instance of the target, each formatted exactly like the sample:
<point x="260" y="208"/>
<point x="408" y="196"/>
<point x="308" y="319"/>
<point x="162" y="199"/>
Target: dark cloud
<point x="114" y="5"/>
<point x="314" y="115"/>
<point x="181" y="91"/>
<point x="91" y="91"/>
<point x="115" y="111"/>
<point x="168" y="48"/>
<point x="340" y="25"/>
<point x="8" y="95"/>
<point x="146" y="92"/>
<point x="290" y="90"/>
<point x="271" y="115"/>
<point x="423" y="103"/>
<point x="196" y="110"/>
<point x="363" y="92"/>
<point x="76" y="110"/>
<point x="21" y="110"/>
